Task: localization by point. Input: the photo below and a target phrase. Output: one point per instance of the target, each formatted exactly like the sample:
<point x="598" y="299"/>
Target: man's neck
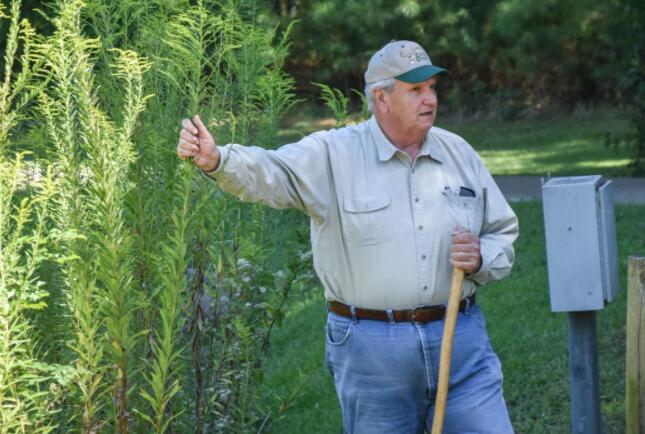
<point x="411" y="149"/>
<point x="408" y="143"/>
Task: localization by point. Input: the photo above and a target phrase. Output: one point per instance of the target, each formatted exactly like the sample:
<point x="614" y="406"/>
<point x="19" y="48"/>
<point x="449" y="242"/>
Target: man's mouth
<point x="428" y="113"/>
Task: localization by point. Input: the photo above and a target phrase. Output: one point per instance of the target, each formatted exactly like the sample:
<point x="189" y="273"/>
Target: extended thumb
<point x="199" y="124"/>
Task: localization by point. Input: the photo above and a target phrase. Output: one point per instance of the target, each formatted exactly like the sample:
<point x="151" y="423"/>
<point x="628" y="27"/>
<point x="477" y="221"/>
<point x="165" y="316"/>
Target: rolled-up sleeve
<point x="499" y="230"/>
<point x="292" y="176"/>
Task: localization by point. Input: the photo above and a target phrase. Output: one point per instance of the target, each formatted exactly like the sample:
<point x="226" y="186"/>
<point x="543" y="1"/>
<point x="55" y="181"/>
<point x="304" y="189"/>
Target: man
<point x="394" y="204"/>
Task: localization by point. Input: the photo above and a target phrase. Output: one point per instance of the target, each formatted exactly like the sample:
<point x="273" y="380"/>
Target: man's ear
<point x="380" y="100"/>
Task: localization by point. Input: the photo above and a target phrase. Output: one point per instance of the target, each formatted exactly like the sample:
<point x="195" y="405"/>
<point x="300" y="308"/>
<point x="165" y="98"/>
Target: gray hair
<point x="387" y="85"/>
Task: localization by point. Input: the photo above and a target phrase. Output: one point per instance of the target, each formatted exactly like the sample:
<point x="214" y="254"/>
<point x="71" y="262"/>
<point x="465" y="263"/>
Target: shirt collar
<point x="432" y="147"/>
<point x="386" y="149"/>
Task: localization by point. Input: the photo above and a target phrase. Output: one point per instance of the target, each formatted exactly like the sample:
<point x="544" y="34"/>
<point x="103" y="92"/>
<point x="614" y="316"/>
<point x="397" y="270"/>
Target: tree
<point x="626" y="31"/>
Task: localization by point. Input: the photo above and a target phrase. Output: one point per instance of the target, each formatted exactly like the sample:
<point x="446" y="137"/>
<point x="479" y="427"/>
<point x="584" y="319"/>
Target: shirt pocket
<point x="368" y="220"/>
<point x="466" y="211"/>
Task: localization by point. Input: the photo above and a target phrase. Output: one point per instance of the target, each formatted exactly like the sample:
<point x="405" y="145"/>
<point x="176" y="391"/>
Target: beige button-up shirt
<point x="381" y="223"/>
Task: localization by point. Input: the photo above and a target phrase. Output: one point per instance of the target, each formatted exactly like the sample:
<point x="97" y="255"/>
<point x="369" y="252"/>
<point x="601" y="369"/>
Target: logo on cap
<point x="414" y="54"/>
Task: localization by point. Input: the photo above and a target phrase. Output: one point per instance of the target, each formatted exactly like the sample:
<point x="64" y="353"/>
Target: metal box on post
<point x="583" y="277"/>
<point x="580" y="243"/>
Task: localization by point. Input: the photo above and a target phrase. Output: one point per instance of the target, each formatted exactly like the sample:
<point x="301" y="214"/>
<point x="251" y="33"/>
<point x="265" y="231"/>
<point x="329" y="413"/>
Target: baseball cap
<point x="404" y="60"/>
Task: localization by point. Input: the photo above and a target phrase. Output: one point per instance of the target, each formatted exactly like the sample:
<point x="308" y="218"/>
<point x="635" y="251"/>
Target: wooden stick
<point x="446" y="350"/>
<point x="635" y="372"/>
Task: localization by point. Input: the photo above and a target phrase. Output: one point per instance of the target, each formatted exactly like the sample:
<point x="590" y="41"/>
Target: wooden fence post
<point x="635" y="375"/>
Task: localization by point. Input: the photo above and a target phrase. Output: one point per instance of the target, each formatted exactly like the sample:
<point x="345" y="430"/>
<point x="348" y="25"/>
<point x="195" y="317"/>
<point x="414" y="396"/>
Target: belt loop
<point x="467" y="307"/>
<point x="390" y="316"/>
<point x="352" y="308"/>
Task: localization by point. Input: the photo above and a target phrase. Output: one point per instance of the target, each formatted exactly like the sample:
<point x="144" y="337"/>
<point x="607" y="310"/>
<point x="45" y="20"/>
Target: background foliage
<point x="508" y="58"/>
<point x="536" y="53"/>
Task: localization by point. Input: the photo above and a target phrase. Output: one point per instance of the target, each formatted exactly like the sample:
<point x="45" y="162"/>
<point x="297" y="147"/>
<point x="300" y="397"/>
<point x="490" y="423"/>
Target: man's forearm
<point x="289" y="177"/>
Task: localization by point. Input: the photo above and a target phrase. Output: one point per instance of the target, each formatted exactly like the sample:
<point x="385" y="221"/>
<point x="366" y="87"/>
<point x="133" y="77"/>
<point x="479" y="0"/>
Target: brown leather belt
<point x="422" y="314"/>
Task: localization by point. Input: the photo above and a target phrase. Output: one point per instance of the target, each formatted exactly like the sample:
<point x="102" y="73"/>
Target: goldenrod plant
<point x="28" y="390"/>
<point x="17" y="87"/>
<point x="204" y="54"/>
<point x="114" y="263"/>
<point x="336" y="101"/>
<point x="152" y="294"/>
<point x="163" y="379"/>
<point x="25" y="395"/>
<point x="95" y="155"/>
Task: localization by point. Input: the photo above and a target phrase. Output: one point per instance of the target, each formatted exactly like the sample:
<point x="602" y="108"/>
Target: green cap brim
<point x="422" y="73"/>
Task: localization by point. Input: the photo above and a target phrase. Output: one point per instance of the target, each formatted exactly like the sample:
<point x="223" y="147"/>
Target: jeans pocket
<point x="475" y="314"/>
<point x="338" y="331"/>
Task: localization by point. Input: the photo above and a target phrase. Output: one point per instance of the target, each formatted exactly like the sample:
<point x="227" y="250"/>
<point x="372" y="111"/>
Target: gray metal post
<point x="583" y="373"/>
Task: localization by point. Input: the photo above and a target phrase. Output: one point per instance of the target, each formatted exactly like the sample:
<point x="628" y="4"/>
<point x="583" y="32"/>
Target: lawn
<point x="559" y="145"/>
<point x="530" y="341"/>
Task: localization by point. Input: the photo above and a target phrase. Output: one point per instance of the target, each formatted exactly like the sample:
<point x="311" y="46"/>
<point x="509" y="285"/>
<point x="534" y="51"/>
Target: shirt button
<point x="420" y="227"/>
<point x="416" y="199"/>
<point x="425" y="287"/>
<point x="423" y="256"/>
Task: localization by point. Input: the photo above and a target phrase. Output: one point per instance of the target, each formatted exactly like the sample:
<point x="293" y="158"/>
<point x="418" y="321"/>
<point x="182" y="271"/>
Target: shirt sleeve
<point x="293" y="176"/>
<point x="499" y="230"/>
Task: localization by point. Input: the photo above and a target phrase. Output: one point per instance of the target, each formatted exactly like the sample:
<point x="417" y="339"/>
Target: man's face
<point x="412" y="107"/>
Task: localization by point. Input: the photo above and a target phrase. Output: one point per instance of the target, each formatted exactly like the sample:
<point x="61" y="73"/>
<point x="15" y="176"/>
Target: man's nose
<point x="430" y="97"/>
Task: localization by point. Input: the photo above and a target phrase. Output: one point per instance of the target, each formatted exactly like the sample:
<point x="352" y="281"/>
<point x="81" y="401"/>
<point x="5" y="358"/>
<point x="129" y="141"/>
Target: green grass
<point x="570" y="145"/>
<point x="530" y="341"/>
<point x="560" y="145"/>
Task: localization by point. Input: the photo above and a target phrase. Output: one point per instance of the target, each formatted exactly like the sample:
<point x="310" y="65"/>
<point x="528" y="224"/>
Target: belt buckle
<point x="415" y="310"/>
<point x="426" y="308"/>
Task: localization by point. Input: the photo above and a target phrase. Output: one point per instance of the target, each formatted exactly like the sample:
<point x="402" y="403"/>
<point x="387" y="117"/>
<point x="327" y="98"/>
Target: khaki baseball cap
<point x="404" y="60"/>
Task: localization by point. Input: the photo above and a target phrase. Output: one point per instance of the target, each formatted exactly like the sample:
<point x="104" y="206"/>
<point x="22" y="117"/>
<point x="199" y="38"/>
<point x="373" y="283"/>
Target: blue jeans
<point x="386" y="376"/>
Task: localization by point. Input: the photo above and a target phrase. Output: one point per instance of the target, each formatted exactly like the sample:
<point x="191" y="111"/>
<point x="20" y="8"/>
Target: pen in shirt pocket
<point x="466" y="192"/>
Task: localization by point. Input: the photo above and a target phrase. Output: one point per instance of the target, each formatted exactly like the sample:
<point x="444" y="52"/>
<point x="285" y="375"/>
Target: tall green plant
<point x="163" y="378"/>
<point x="114" y="264"/>
<point x="27" y="388"/>
<point x="16" y="90"/>
<point x="336" y="101"/>
<point x="186" y="56"/>
<point x="24" y="393"/>
<point x="67" y="109"/>
<point x="94" y="156"/>
<point x="147" y="254"/>
<point x="225" y="68"/>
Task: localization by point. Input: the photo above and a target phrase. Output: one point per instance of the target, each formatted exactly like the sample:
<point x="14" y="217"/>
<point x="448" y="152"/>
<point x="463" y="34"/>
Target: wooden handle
<point x="446" y="350"/>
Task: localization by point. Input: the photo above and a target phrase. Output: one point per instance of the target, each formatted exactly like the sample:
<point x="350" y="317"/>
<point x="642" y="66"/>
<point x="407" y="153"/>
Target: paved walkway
<point x="516" y="188"/>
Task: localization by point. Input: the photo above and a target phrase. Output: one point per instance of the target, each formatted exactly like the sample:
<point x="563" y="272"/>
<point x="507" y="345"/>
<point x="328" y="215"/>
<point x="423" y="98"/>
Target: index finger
<point x="186" y="123"/>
